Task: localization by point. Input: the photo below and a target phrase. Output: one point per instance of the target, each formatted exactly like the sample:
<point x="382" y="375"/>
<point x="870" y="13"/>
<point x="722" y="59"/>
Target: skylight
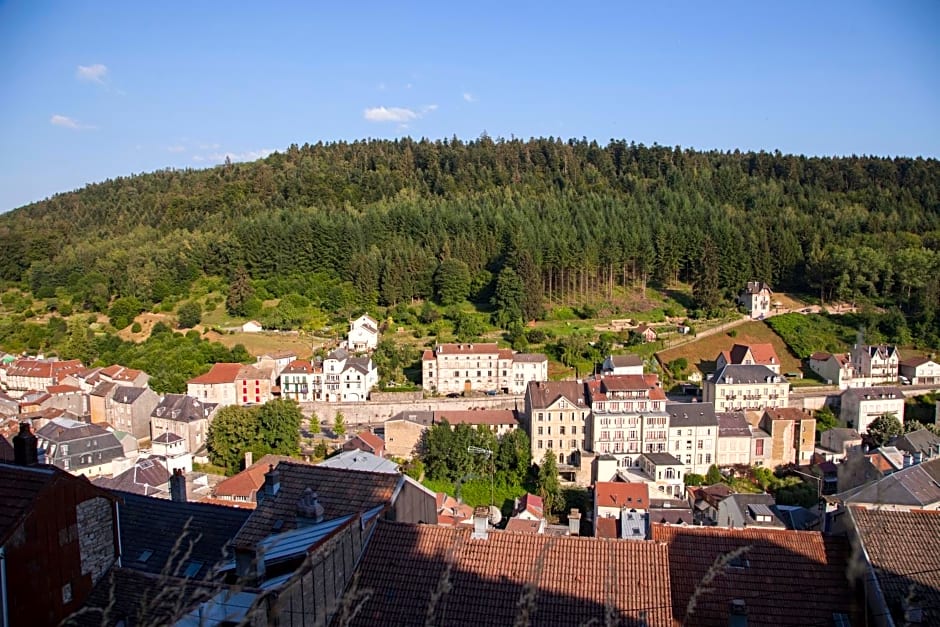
<point x="144" y="555"/>
<point x="192" y="568"/>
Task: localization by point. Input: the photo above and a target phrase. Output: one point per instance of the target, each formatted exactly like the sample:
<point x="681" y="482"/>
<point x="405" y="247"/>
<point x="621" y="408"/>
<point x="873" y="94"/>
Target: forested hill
<point x="571" y="218"/>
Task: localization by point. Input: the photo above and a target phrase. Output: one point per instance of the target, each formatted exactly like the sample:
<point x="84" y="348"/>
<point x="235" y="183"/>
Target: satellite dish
<point x="495" y="515"/>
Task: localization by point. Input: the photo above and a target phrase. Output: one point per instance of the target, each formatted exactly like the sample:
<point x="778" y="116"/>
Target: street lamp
<point x="478" y="450"/>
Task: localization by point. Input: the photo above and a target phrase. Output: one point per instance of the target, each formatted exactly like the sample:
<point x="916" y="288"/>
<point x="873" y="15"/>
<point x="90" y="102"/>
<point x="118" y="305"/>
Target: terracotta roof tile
<point x="477" y="416"/>
<point x="218" y="373"/>
<point x="340" y="492"/>
<point x="621" y="494"/>
<point x="489" y="579"/>
<point x="372" y="440"/>
<point x="606" y="527"/>
<point x="247" y="482"/>
<point x="523" y="525"/>
<point x="904" y="550"/>
<point x="784" y="577"/>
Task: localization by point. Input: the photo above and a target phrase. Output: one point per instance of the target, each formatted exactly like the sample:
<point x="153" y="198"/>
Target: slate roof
<point x="915" y="486"/>
<point x="182" y="408"/>
<point x="622" y="494"/>
<point x="425" y="418"/>
<point x="787" y="413"/>
<point x="625" y="361"/>
<point x="157" y="525"/>
<point x="738" y="507"/>
<point x="904" y="550"/>
<point x="340" y="492"/>
<point x="360" y="460"/>
<point x="146" y="477"/>
<point x="104" y="389"/>
<point x="60" y="430"/>
<point x="529" y="358"/>
<point x="756" y="287"/>
<point x="127" y="395"/>
<point x="913" y="362"/>
<point x="745" y="374"/>
<point x="19" y="488"/>
<point x="600" y="388"/>
<point x="792" y="578"/>
<point x="873" y="393"/>
<point x="488" y="578"/>
<point x="920" y="441"/>
<point x="662" y="459"/>
<point x="733" y="424"/>
<point x="691" y="414"/>
<point x="543" y="394"/>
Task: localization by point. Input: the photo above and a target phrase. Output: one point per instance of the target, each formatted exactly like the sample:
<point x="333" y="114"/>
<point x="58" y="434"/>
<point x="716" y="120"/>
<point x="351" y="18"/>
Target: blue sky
<point x="94" y="90"/>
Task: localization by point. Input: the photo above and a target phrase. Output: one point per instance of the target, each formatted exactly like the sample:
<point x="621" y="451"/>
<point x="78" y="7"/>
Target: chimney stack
<point x="249" y="458"/>
<point x="178" y="486"/>
<point x="737" y="617"/>
<point x="574" y="522"/>
<point x="25" y="446"/>
<point x="272" y="483"/>
<point x="481" y="517"/>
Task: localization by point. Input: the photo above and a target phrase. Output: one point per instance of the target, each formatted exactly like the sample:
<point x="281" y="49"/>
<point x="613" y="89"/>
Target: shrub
<point x="136" y="328"/>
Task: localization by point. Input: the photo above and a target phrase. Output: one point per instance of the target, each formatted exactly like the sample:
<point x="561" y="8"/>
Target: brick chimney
<point x="272" y="483"/>
<point x="25" y="447"/>
<point x="178" y="486"/>
<point x="574" y="522"/>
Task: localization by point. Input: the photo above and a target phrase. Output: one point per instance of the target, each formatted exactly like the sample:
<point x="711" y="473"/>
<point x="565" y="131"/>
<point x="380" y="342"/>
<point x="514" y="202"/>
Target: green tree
<point x="509" y="298"/>
<point x="549" y="488"/>
<point x="883" y="428"/>
<point x="239" y="293"/>
<point x="232" y="432"/>
<point x="452" y="281"/>
<point x="339" y="424"/>
<point x="468" y="326"/>
<point x="706" y="291"/>
<point x="314" y="423"/>
<point x="279" y="426"/>
<point x="514" y="455"/>
<point x="693" y="479"/>
<point x="79" y="344"/>
<point x="825" y="419"/>
<point x="189" y="314"/>
<point x="123" y="311"/>
<point x="713" y="475"/>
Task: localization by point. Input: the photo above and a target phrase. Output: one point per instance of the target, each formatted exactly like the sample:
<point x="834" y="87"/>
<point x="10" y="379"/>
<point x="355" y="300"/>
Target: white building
<point x="920" y="371"/>
<point x="622" y="364"/>
<point x="465" y="368"/>
<point x="747" y="388"/>
<point x="878" y="363"/>
<point x="628" y="417"/>
<point x="363" y="334"/>
<point x="860" y="406"/>
<point x="734" y="439"/>
<point x="346" y="379"/>
<point x="693" y="435"/>
<point x="556" y="417"/>
<point x="756" y="298"/>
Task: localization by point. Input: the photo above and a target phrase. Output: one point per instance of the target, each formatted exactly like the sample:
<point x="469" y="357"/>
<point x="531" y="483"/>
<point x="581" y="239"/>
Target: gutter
<point x="4" y="617"/>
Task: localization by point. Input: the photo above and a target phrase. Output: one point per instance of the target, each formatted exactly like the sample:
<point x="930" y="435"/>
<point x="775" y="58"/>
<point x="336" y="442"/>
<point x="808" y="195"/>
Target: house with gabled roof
<point x="299" y="380"/>
<point x="860" y="406"/>
<point x="185" y="416"/>
<point x="622" y="364"/>
<point x="911" y="487"/>
<point x="756" y="298"/>
<point x="749" y="510"/>
<point x="345" y="379"/>
<point x="79" y="447"/>
<point x="921" y="444"/>
<point x="792" y="435"/>
<point x="124" y="376"/>
<point x="835" y="369"/>
<point x="363" y="334"/>
<point x="557" y="417"/>
<point x="646" y="332"/>
<point x="128" y="409"/>
<point x="920" y="370"/>
<point x="276" y="360"/>
<point x="216" y="386"/>
<point x="366" y="441"/>
<point x="734" y="439"/>
<point x="877" y="362"/>
<point x="29" y="373"/>
<point x="241" y="488"/>
<point x="147" y="477"/>
<point x="761" y="354"/>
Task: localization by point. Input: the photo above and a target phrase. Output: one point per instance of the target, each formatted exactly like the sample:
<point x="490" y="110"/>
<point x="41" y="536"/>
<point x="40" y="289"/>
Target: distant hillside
<point x="379" y="220"/>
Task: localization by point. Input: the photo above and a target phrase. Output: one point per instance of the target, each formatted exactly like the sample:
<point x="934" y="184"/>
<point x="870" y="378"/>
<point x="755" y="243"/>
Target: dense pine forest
<point x="355" y="225"/>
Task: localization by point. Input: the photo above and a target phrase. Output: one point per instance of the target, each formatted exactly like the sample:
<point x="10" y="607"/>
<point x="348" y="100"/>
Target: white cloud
<point x="401" y="115"/>
<point x="176" y="148"/>
<point x="469" y="97"/>
<point x="96" y="73"/>
<point x="219" y="157"/>
<point x="389" y="114"/>
<point x="66" y="122"/>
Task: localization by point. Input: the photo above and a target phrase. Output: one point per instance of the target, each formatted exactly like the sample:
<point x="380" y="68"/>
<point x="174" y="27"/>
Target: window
<point x="700" y="445"/>
<point x="574" y="430"/>
<point x="540" y="444"/>
<point x="540" y="430"/>
<point x="759" y="447"/>
<point x="708" y="458"/>
<point x="561" y="430"/>
<point x="541" y="416"/>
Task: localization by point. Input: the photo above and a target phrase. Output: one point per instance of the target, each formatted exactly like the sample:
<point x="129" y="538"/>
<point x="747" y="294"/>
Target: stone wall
<point x="396" y="397"/>
<point x="95" y="536"/>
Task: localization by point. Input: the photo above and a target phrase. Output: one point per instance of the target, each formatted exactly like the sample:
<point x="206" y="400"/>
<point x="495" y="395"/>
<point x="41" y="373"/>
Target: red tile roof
<point x="599" y="388"/>
<point x="219" y="373"/>
<point x="373" y="441"/>
<point x="510" y="578"/>
<point x="621" y="494"/>
<point x="120" y="373"/>
<point x="62" y="389"/>
<point x="247" y="482"/>
<point x="468" y="349"/>
<point x="784" y="577"/>
<point x="477" y="416"/>
<point x="606" y="527"/>
<point x="904" y="550"/>
<point x="523" y="525"/>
